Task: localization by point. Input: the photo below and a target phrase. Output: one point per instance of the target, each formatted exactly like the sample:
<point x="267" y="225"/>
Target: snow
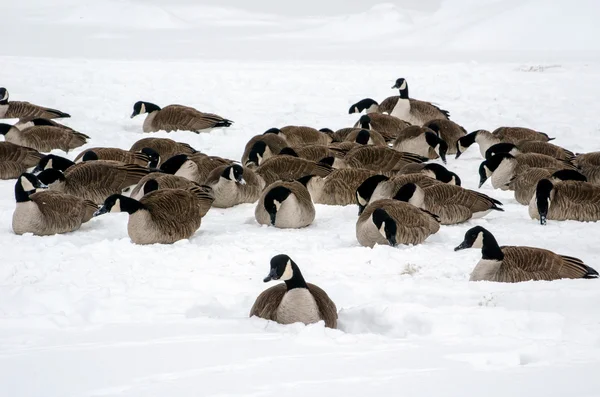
<point x="91" y="314"/>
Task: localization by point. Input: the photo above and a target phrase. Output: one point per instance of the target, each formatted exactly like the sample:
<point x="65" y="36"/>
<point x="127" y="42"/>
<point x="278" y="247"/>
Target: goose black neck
<point x="151" y="107"/>
<point x="130" y="205"/>
<point x="490" y="249"/>
<point x="297" y="281"/>
<point x="404" y="93"/>
<point x="21" y="196"/>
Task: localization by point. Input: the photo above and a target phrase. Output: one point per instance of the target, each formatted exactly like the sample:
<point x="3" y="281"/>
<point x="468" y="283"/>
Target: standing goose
<point x="290" y="168"/>
<point x="145" y="158"/>
<point x="195" y="167"/>
<point x="539" y="147"/>
<point x="393" y="222"/>
<point x="285" y="204"/>
<point x="233" y="185"/>
<point x="94" y="180"/>
<point x="317" y="153"/>
<point x="525" y="183"/>
<point x="411" y="110"/>
<point x="380" y="159"/>
<point x="432" y="170"/>
<point x="44" y="138"/>
<point x="421" y="141"/>
<point x="15" y="159"/>
<point x="453" y="204"/>
<point x="337" y="188"/>
<point x="503" y="167"/>
<point x="162" y="216"/>
<point x="513" y="264"/>
<point x="387" y="126"/>
<point x="448" y="130"/>
<point x="44" y="212"/>
<point x="568" y="200"/>
<point x="300" y="136"/>
<point x="25" y="110"/>
<point x="177" y="118"/>
<point x="485" y="139"/>
<point x="261" y="147"/>
<point x="295" y="300"/>
<point x="166" y="148"/>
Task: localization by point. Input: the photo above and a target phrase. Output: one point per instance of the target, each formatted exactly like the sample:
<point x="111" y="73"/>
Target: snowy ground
<point x="90" y="314"/>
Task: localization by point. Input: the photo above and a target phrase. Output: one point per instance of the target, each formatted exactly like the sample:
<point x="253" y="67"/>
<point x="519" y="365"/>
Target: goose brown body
<point x="296" y="211"/>
<point x="288" y="168"/>
<point x="381" y="159"/>
<point x="570" y="200"/>
<point x="229" y="193"/>
<point x="16" y="159"/>
<point x="273" y="145"/>
<point x="387" y="126"/>
<point x="448" y="130"/>
<point x="166" y="148"/>
<point x="182" y="118"/>
<point x="47" y="138"/>
<point x="25" y="110"/>
<point x="339" y="187"/>
<point x="116" y="154"/>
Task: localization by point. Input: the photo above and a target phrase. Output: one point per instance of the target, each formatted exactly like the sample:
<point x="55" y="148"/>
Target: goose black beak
<point x="543" y="219"/>
<point x="462" y="246"/>
<point x="457" y="154"/>
<point x="482" y="181"/>
<point x="272" y="276"/>
<point x="103" y="210"/>
<point x="133" y="115"/>
<point x="273" y="216"/>
<point x="392" y="241"/>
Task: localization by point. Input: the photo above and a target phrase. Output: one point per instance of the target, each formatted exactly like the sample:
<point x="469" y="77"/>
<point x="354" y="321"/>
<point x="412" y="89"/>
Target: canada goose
<point x="300" y="136"/>
<point x="44" y="212"/>
<point x="452" y="204"/>
<point x="162" y="216"/>
<point x="448" y="130"/>
<point x="177" y="118"/>
<point x="261" y="147"/>
<point x="24" y="110"/>
<point x="366" y="137"/>
<point x="16" y="159"/>
<point x="145" y="158"/>
<point x="195" y="167"/>
<point x="394" y="222"/>
<point x="513" y="264"/>
<point x="421" y="141"/>
<point x="568" y="200"/>
<point x="290" y="168"/>
<point x="23" y="124"/>
<point x="94" y="180"/>
<point x="285" y="204"/>
<point x="343" y="148"/>
<point x="411" y="110"/>
<point x="591" y="159"/>
<point x="379" y="187"/>
<point x="317" y="153"/>
<point x="166" y="148"/>
<point x="52" y="161"/>
<point x="433" y="170"/>
<point x="379" y="158"/>
<point x="44" y="138"/>
<point x="592" y="173"/>
<point x="233" y="185"/>
<point x="337" y="188"/>
<point x="539" y="147"/>
<point x="503" y="167"/>
<point x="368" y="105"/>
<point x="387" y="126"/>
<point x="525" y="183"/>
<point x="485" y="139"/>
<point x="294" y="301"/>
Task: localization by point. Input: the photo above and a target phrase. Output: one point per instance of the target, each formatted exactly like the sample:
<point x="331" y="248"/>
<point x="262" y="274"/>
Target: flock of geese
<point x="381" y="164"/>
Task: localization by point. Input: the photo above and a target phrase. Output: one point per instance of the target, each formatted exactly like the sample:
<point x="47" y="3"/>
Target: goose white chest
<point x="298" y="305"/>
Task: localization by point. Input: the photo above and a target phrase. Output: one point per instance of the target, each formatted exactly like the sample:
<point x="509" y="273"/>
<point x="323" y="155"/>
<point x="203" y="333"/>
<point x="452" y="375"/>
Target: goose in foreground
<point x="177" y="118"/>
<point x="433" y="170"/>
<point x="44" y="138"/>
<point x="539" y="147"/>
<point x="411" y="110"/>
<point x="525" y="183"/>
<point x="25" y="110"/>
<point x="162" y="216"/>
<point x="393" y="222"/>
<point x="195" y="167"/>
<point x="485" y="139"/>
<point x="452" y="204"/>
<point x="44" y="212"/>
<point x="285" y="167"/>
<point x="16" y="159"/>
<point x="261" y="147"/>
<point x="387" y="126"/>
<point x="502" y="168"/>
<point x="94" y="180"/>
<point x="166" y="148"/>
<point x="513" y="264"/>
<point x="285" y="204"/>
<point x="421" y="141"/>
<point x="380" y="159"/>
<point x="568" y="200"/>
<point x="233" y="185"/>
<point x="145" y="158"/>
<point x="295" y="300"/>
<point x="300" y="135"/>
<point x="448" y="130"/>
<point x="337" y="188"/>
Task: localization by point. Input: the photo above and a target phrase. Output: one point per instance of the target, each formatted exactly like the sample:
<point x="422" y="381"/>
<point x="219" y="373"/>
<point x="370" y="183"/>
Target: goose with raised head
<point x="261" y="147"/>
<point x="285" y="204"/>
<point x="567" y="200"/>
<point x="393" y="222"/>
<point x="233" y="185"/>
<point x="513" y="264"/>
<point x="411" y="110"/>
<point x="44" y="212"/>
<point x="295" y="300"/>
<point x="44" y="138"/>
<point x="422" y="141"/>
<point x="485" y="139"/>
<point x="16" y="159"/>
<point x="300" y="135"/>
<point x="162" y="216"/>
<point x="25" y="110"/>
<point x="337" y="188"/>
<point x="449" y="131"/>
<point x="177" y="118"/>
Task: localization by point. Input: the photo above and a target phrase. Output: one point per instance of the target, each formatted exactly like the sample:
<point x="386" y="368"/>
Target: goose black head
<point x="365" y="122"/>
<point x="502" y="147"/>
<point x="438" y="144"/>
<point x="174" y="164"/>
<point x="363" y="137"/>
<point x="487" y="167"/>
<point x="3" y="96"/>
<point x="543" y="193"/>
<point x="386" y="225"/>
<point x="235" y="173"/>
<point x="153" y="157"/>
<point x="257" y="154"/>
<point x="465" y="142"/>
<point x="53" y="161"/>
<point x="26" y="184"/>
<point x="366" y="189"/>
<point x="5" y="128"/>
<point x="283" y="268"/>
<point x="569" y="175"/>
<point x="442" y="174"/>
<point x="50" y="176"/>
<point x="274" y="199"/>
<point x="141" y="107"/>
<point x="119" y="203"/>
<point x="402" y="85"/>
<point x="368" y="104"/>
<point x="474" y="238"/>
